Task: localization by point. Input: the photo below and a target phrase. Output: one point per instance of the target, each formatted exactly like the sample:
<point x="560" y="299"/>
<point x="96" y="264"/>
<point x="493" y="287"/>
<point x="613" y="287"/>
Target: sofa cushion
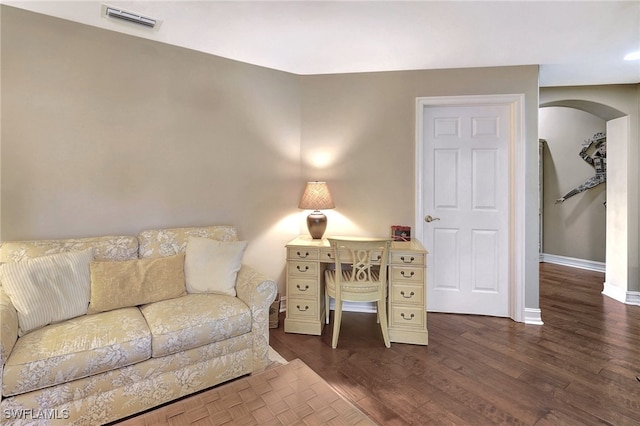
<point x="135" y="282"/>
<point x="76" y="348"/>
<point x="109" y="247"/>
<point x="170" y="241"/>
<point x="48" y="289"/>
<point x="212" y="266"/>
<point x="195" y="320"/>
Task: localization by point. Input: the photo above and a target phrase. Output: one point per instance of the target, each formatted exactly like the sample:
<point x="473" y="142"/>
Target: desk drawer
<point x="302" y="253"/>
<point x="407" y="294"/>
<point x="408" y="317"/>
<point x="402" y="274"/>
<point x="300" y="308"/>
<point x="400" y="258"/>
<point x="303" y="269"/>
<point x="302" y="287"/>
<point x="326" y="255"/>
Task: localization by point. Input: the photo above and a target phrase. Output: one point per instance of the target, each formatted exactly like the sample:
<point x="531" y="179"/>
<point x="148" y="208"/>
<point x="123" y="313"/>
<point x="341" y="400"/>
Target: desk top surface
<point x="307" y="241"/>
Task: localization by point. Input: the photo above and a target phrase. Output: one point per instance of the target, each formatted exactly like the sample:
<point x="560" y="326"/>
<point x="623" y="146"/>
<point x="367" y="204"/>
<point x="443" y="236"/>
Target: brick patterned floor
<point x="290" y="394"/>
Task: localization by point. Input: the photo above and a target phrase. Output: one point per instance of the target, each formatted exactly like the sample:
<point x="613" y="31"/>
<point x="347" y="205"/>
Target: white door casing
<point x="470" y="175"/>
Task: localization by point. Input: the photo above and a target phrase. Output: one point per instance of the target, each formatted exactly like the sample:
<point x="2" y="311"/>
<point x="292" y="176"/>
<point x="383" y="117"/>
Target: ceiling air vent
<point x="115" y="13"/>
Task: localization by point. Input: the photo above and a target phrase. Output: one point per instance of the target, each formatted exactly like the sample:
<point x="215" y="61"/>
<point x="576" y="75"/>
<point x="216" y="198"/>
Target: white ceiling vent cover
<point x="117" y="13"/>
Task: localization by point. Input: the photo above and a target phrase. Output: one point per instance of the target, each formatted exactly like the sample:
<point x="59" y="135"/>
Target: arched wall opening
<point x="573" y="230"/>
<point x="616" y="125"/>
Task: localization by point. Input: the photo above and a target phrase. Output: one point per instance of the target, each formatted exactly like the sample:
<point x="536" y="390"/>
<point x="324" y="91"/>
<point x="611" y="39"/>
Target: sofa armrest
<point x="8" y="329"/>
<point x="258" y="292"/>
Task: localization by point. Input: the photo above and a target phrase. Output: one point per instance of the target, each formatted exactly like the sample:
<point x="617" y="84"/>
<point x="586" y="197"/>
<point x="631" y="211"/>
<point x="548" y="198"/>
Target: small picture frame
<point x="400" y="233"/>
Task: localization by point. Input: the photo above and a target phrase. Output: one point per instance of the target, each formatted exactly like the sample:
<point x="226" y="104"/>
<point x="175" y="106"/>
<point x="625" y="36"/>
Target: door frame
<point x="517" y="183"/>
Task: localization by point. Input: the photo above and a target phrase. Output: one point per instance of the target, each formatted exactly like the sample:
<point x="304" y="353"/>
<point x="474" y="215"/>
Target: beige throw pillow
<point x="212" y="266"/>
<point x="135" y="282"/>
<point x="48" y="289"/>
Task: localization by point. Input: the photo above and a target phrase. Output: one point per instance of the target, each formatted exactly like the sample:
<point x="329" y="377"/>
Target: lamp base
<point x="317" y="224"/>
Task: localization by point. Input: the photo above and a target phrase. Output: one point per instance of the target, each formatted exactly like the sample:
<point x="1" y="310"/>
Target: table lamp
<point x="316" y="196"/>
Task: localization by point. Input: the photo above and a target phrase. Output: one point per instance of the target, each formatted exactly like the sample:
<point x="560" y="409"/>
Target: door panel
<point x="445" y="274"/>
<point x="466" y="191"/>
<point x="485" y="179"/>
<point x="446" y="172"/>
<point x="485" y="256"/>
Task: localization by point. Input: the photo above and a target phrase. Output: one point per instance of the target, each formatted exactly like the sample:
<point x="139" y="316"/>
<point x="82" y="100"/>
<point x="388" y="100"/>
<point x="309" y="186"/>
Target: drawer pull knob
<point x="407" y="297"/>
<point x="305" y="269"/>
<point x="407" y="261"/>
<point x="407" y="319"/>
<point x="306" y="287"/>
<point x="306" y="308"/>
<point x="330" y="256"/>
<point x="409" y="275"/>
<point x="306" y="254"/>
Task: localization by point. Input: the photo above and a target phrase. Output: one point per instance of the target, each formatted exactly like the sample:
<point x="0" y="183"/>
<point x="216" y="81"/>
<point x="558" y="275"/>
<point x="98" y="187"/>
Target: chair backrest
<point x="366" y="276"/>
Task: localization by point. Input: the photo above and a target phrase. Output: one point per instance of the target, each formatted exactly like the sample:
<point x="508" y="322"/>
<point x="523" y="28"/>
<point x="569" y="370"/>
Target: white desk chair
<point x="361" y="282"/>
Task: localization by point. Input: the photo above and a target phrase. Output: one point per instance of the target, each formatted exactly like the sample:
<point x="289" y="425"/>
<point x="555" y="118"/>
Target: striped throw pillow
<point x="48" y="289"/>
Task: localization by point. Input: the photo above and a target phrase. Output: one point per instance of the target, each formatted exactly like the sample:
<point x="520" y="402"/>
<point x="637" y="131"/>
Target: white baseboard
<point x="622" y="295"/>
<point x="615" y="293"/>
<point x="633" y="298"/>
<point x="590" y="265"/>
<point x="533" y="316"/>
<point x="366" y="307"/>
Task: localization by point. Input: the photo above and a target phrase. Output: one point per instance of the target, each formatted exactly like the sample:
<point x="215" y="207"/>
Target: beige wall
<point x="577" y="227"/>
<point x="105" y="133"/>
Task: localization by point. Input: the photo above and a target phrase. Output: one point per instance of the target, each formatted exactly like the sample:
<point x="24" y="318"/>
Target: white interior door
<point x="466" y="206"/>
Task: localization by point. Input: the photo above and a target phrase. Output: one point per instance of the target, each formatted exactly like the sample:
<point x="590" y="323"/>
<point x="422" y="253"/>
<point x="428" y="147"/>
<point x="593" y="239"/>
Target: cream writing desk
<point x="307" y="260"/>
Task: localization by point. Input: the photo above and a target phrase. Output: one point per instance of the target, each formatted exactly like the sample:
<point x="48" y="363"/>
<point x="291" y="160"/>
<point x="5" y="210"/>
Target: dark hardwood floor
<point x="579" y="368"/>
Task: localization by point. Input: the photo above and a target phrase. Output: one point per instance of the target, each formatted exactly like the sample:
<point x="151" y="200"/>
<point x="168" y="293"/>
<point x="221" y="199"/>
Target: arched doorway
<point x="617" y="129"/>
<point x="573" y="231"/>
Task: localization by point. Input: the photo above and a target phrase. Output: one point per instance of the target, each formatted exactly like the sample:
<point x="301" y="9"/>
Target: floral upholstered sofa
<point x="130" y="322"/>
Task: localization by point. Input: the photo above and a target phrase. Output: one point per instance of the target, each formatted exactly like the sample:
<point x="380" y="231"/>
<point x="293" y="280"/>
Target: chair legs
<point x="382" y="315"/>
<point x="326" y="307"/>
<point x="337" y="319"/>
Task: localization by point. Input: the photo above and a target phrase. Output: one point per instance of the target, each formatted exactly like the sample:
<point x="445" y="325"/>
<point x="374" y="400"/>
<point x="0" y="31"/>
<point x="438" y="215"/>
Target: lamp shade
<point x="316" y="196"/>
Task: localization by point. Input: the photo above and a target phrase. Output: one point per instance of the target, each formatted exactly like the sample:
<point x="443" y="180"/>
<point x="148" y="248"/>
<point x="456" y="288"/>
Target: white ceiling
<point x="574" y="42"/>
